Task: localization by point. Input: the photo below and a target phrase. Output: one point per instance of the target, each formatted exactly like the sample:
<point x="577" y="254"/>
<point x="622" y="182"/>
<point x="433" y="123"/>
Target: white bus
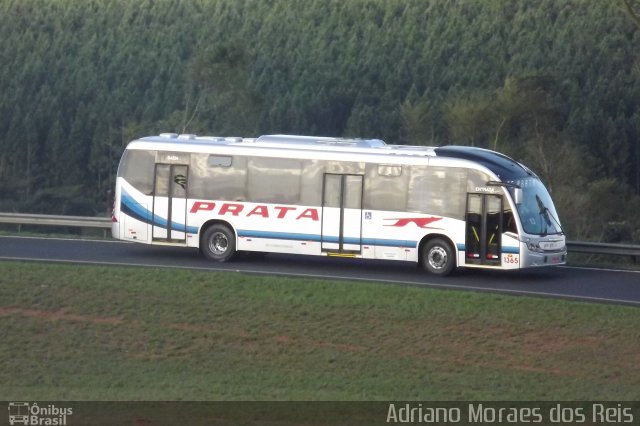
<point x="442" y="208"/>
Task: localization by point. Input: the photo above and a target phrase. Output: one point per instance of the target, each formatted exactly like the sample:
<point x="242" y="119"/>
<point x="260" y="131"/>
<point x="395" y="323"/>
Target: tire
<point x="218" y="243"/>
<point x="438" y="257"/>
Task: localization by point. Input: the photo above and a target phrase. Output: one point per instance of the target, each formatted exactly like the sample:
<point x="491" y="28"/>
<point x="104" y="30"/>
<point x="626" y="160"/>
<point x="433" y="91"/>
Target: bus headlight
<point x="534" y="247"/>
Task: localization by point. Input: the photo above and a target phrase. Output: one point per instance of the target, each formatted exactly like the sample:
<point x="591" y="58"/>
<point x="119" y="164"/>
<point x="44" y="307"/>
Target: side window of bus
<point x="385" y="187"/>
<point x="274" y="180"/>
<point x="218" y="177"/>
<point x="137" y="168"/>
<point x="311" y="182"/>
<point x="438" y="190"/>
<point x="477" y="179"/>
<point x="508" y="220"/>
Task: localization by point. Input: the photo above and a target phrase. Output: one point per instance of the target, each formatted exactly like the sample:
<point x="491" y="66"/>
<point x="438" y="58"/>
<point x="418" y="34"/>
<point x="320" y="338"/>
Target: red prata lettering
<point x="202" y="205"/>
<point x="283" y="211"/>
<point x="309" y="214"/>
<point x="259" y="211"/>
<point x="234" y="209"/>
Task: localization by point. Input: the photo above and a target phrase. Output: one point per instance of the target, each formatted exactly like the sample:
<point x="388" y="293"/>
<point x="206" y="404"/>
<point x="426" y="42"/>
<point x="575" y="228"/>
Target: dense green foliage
<point x="555" y="83"/>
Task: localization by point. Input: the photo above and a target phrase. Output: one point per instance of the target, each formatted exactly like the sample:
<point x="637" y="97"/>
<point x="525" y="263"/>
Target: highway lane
<point x="586" y="284"/>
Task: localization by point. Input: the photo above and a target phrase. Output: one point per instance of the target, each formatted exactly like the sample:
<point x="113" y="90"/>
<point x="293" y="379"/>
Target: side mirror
<point x="517" y="195"/>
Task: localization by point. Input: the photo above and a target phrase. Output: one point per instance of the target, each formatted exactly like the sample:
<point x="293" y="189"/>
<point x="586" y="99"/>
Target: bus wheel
<point x="438" y="257"/>
<point x="218" y="243"/>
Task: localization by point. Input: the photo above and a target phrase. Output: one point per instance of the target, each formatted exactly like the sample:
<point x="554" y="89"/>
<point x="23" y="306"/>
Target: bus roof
<point x="502" y="166"/>
<point x="296" y="142"/>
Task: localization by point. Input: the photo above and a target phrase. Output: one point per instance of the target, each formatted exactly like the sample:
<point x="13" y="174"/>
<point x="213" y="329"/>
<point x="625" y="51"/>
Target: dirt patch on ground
<point x="199" y="328"/>
<point x="60" y="314"/>
<point x="498" y="346"/>
<point x="290" y="340"/>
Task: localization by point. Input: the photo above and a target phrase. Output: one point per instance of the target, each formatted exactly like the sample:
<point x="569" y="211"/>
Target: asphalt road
<point x="585" y="284"/>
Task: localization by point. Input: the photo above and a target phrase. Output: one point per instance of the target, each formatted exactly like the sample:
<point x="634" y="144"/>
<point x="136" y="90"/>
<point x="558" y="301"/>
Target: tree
<point x="632" y="11"/>
<point x="217" y="91"/>
<point x="471" y="118"/>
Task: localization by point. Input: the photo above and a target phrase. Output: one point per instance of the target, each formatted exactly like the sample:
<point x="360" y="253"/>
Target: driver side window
<point x="508" y="220"/>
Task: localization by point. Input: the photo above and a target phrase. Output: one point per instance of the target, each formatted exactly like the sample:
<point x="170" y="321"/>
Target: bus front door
<point x="342" y="213"/>
<point x="484" y="229"/>
<point x="170" y="202"/>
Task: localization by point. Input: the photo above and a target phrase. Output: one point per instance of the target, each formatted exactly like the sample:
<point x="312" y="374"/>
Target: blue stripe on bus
<point x="280" y="235"/>
<point x="513" y="250"/>
<point x="249" y="233"/>
<point x="131" y="207"/>
<point x="389" y="243"/>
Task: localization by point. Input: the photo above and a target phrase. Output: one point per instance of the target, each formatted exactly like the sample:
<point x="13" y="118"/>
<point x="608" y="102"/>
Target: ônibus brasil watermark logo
<point x="26" y="413"/>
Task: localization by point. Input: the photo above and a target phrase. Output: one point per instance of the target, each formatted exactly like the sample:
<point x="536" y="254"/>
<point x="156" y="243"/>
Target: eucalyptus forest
<point x="553" y="83"/>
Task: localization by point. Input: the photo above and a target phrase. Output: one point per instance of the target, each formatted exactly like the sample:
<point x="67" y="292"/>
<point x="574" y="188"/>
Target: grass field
<point x="97" y="333"/>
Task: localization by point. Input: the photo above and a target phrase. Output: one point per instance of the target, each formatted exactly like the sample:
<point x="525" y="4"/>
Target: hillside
<point x="555" y="83"/>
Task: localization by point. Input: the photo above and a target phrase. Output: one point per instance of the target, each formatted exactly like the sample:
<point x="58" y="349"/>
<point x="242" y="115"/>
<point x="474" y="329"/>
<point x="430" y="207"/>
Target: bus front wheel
<point x="218" y="243"/>
<point x="438" y="257"/>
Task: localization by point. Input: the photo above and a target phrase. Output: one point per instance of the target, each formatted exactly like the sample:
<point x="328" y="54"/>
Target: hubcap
<point x="218" y="243"/>
<point x="437" y="258"/>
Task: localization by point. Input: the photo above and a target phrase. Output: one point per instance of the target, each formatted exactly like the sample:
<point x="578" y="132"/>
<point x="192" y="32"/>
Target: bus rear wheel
<point x="218" y="243"/>
<point x="438" y="257"/>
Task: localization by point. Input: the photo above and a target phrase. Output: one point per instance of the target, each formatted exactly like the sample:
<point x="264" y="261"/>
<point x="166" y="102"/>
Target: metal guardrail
<point x="55" y="220"/>
<point x="604" y="248"/>
<point x="105" y="223"/>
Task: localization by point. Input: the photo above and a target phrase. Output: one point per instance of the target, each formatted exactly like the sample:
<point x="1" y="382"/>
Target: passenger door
<point x="170" y="202"/>
<point x="484" y="229"/>
<point x="342" y="213"/>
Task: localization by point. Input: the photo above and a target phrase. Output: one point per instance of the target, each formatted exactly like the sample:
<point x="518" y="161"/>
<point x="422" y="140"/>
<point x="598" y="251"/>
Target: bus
<point x="18" y="413"/>
<point x="439" y="207"/>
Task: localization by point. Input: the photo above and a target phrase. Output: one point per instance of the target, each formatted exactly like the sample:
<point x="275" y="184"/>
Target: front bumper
<point x="544" y="258"/>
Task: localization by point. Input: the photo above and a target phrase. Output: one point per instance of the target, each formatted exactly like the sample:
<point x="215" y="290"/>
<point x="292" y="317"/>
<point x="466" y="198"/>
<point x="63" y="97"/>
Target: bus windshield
<point x="537" y="212"/>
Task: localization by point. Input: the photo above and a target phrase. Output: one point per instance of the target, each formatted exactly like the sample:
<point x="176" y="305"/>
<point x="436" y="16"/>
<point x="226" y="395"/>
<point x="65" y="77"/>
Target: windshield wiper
<point x="547" y="215"/>
<point x="544" y="219"/>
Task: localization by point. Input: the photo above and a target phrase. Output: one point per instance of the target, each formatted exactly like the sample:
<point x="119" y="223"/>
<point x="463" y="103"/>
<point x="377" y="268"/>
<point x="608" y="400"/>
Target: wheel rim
<point x="218" y="244"/>
<point x="437" y="258"/>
